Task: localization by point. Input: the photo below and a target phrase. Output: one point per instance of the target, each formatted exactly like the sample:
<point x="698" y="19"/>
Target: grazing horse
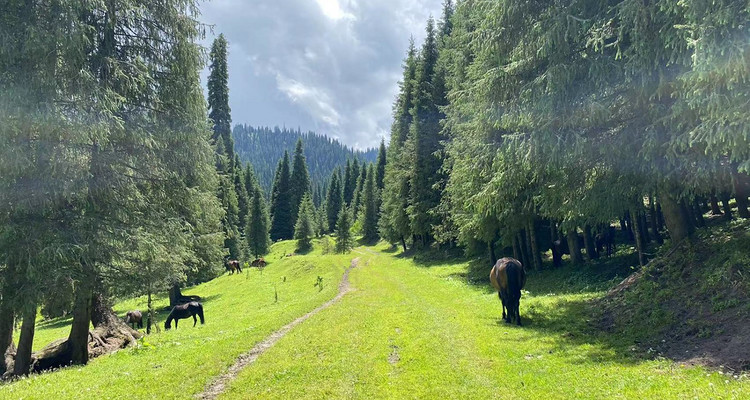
<point x="134" y="318"/>
<point x="508" y="278"/>
<point x="233" y="266"/>
<point x="183" y="311"/>
<point x="606" y="239"/>
<point x="260" y="263"/>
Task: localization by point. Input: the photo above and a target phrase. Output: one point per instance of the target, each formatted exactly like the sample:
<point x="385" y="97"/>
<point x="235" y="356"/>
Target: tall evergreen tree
<point x="344" y="241"/>
<point x="424" y="133"/>
<point x="300" y="181"/>
<point x="305" y="227"/>
<point x="258" y="225"/>
<point x="394" y="221"/>
<point x="243" y="197"/>
<point x="346" y="183"/>
<point x="334" y="200"/>
<point x="218" y="98"/>
<point x="281" y="203"/>
<point x="369" y="208"/>
<point x="380" y="166"/>
<point x="357" y="200"/>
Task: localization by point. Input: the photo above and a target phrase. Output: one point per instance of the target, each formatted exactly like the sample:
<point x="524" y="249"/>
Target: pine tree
<point x="424" y="134"/>
<point x="394" y="221"/>
<point x="281" y="203"/>
<point x="369" y="207"/>
<point x="380" y="169"/>
<point x="357" y="200"/>
<point x="304" y="229"/>
<point x="243" y="197"/>
<point x="344" y="242"/>
<point x="334" y="201"/>
<point x="218" y="98"/>
<point x="257" y="229"/>
<point x="300" y="181"/>
<point x="346" y="183"/>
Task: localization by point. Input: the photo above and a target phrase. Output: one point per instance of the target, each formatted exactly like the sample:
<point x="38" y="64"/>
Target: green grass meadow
<point x="409" y="329"/>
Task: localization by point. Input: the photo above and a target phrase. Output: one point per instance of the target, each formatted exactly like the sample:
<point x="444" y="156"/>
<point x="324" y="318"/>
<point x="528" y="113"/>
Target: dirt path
<point x="218" y="385"/>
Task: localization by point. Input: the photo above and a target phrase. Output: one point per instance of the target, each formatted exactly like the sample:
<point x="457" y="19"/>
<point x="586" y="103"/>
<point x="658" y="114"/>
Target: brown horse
<point x="232" y="266"/>
<point x="183" y="311"/>
<point x="260" y="263"/>
<point x="508" y="278"/>
<point x="134" y="318"/>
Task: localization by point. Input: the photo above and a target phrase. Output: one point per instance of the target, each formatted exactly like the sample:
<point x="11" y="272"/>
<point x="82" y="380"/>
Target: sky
<point x="330" y="66"/>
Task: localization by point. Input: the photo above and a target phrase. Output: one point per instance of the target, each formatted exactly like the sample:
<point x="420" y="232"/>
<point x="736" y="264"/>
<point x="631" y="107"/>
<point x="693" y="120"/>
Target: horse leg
<point x="175" y="323"/>
<point x="501" y="302"/>
<point x="195" y="320"/>
<point x="517" y="312"/>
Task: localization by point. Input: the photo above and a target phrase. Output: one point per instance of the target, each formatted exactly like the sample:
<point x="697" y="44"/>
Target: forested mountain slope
<point x="264" y="146"/>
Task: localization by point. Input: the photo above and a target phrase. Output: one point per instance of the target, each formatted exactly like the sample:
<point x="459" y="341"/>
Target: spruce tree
<point x="258" y="225"/>
<point x="369" y="208"/>
<point x="424" y="134"/>
<point x="357" y="200"/>
<point x="300" y="181"/>
<point x="380" y="169"/>
<point x="304" y="229"/>
<point x="344" y="242"/>
<point x="282" y="227"/>
<point x="243" y="197"/>
<point x="334" y="201"/>
<point x="218" y="98"/>
<point x="347" y="190"/>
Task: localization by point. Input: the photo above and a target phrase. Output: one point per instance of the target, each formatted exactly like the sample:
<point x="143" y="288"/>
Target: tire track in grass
<point x="218" y="385"/>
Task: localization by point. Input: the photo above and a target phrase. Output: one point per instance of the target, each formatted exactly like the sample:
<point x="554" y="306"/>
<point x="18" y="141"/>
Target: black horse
<point x="183" y="311"/>
<point x="508" y="277"/>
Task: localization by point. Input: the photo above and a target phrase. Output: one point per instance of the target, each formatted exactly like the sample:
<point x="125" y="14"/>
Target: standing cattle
<point x="508" y="278"/>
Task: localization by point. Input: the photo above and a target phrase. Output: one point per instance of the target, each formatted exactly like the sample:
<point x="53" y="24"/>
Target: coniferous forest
<point x="263" y="147"/>
<point x="558" y="133"/>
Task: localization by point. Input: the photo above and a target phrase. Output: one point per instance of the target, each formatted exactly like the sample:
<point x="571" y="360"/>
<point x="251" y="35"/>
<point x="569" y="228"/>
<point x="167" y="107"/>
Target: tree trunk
<point x="740" y="182"/>
<point x="588" y="242"/>
<point x="659" y="217"/>
<point x="639" y="242"/>
<point x="22" y="365"/>
<point x="516" y="250"/>
<point x="689" y="215"/>
<point x="536" y="256"/>
<point x="629" y="225"/>
<point x="6" y="329"/>
<point x="700" y="222"/>
<point x="715" y="210"/>
<point x="575" y="249"/>
<point x="643" y="225"/>
<point x="491" y="248"/>
<point x="78" y="340"/>
<point x="403" y="243"/>
<point x="110" y="332"/>
<point x="654" y="225"/>
<point x="677" y="222"/>
<point x="525" y="260"/>
<point x="727" y="208"/>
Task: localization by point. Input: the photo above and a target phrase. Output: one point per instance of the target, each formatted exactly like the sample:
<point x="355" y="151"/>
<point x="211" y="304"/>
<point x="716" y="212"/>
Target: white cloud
<point x="332" y="9"/>
<point x="331" y="66"/>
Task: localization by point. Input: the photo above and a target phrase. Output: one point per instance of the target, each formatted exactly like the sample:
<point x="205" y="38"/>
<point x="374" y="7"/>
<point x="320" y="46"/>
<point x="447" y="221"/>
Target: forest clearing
<point x="418" y="329"/>
<point x="500" y="198"/>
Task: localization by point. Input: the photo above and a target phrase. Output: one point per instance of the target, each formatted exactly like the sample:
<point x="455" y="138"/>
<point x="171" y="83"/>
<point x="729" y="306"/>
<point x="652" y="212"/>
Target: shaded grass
<point x="241" y="311"/>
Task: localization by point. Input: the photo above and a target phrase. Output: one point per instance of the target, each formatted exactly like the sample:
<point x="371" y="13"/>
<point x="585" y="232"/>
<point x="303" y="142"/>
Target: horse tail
<point x="515" y="279"/>
<point x="200" y="313"/>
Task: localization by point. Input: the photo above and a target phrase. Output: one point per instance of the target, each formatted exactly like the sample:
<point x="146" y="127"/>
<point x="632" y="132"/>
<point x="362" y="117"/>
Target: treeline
<point x="519" y="124"/>
<point x="108" y="169"/>
<point x="263" y="147"/>
<point x="349" y="205"/>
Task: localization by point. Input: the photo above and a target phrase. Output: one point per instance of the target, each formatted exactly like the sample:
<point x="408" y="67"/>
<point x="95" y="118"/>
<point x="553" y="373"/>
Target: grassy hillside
<point x="409" y="329"/>
<point x="693" y="306"/>
<point x="240" y="311"/>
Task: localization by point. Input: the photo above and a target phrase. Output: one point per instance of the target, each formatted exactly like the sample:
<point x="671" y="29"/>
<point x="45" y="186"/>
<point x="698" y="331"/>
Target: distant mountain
<point x="263" y="147"/>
